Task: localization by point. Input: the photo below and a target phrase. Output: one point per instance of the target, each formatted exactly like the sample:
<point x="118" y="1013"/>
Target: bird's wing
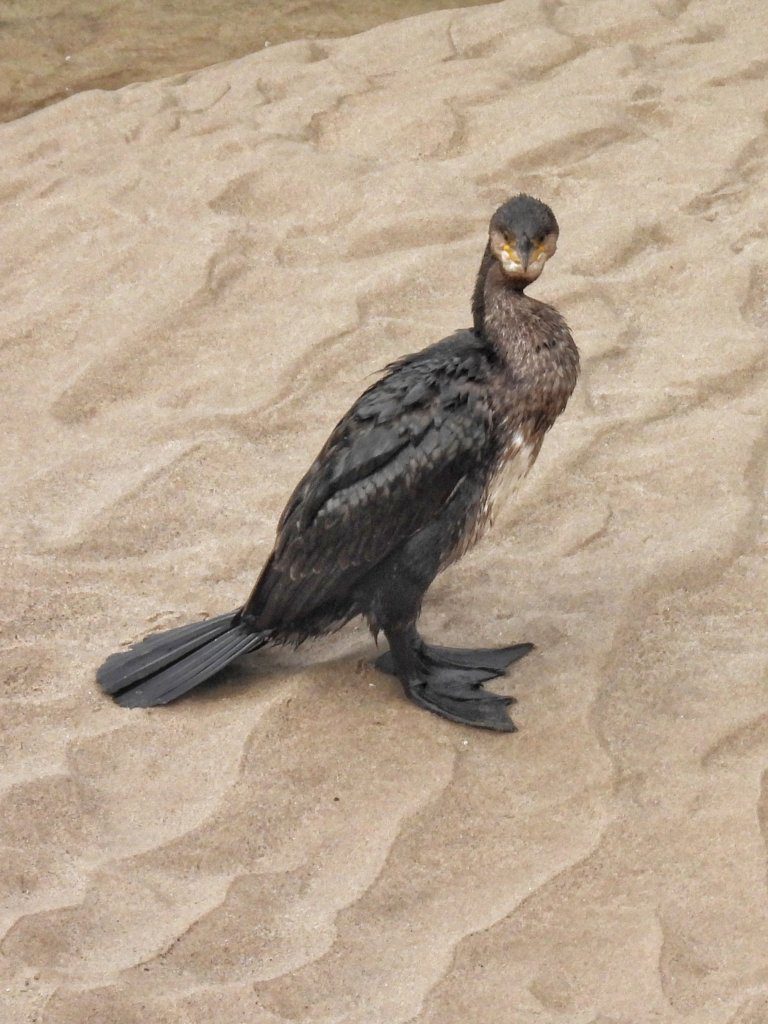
<point x="386" y="471"/>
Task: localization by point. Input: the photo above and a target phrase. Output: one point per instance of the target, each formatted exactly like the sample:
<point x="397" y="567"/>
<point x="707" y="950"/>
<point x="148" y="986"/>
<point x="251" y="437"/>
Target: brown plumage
<point x="404" y="485"/>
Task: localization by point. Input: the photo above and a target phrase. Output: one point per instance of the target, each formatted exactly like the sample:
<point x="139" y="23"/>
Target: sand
<point x="199" y="274"/>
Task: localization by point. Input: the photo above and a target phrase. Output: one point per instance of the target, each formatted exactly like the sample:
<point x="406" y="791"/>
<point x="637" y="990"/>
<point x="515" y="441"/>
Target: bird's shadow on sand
<point x="265" y="672"/>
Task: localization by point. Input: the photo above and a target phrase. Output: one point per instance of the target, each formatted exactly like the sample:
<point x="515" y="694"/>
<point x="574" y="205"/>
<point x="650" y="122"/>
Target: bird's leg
<point x="447" y="688"/>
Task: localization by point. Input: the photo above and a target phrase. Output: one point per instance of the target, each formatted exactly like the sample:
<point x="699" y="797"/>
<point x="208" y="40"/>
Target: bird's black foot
<point x="488" y="662"/>
<point x="448" y="680"/>
<point x="450" y="693"/>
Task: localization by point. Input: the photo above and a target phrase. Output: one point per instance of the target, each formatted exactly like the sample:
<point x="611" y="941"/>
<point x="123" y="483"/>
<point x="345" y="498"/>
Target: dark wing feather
<point x="386" y="471"/>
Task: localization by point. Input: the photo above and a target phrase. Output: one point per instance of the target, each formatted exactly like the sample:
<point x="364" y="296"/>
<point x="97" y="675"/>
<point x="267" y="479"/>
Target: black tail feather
<point x="167" y="665"/>
<point x="158" y="650"/>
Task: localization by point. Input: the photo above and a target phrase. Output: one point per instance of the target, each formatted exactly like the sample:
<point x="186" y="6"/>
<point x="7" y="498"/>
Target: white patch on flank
<point x="511" y="473"/>
<point x="503" y="485"/>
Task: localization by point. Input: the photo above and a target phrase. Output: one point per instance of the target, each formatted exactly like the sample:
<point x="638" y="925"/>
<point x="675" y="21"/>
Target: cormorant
<point x="404" y="486"/>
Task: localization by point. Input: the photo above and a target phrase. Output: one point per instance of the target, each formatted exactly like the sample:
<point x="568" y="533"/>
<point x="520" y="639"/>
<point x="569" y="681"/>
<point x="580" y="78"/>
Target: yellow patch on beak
<point x="542" y="252"/>
<point x="511" y="252"/>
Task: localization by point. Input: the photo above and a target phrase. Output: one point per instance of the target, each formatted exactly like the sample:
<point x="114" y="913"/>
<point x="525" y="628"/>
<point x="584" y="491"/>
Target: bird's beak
<point x="524" y="250"/>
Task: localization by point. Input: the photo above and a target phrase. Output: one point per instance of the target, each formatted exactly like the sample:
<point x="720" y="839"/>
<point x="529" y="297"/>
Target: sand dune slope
<point x="198" y="275"/>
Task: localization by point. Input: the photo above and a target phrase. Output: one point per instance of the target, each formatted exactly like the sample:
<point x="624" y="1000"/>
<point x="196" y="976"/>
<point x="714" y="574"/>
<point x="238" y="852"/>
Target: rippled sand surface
<point x="198" y="275"/>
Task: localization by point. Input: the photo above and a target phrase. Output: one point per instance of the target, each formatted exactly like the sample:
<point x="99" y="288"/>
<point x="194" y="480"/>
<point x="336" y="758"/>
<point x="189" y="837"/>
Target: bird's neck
<point x="478" y="295"/>
<point x="503" y="308"/>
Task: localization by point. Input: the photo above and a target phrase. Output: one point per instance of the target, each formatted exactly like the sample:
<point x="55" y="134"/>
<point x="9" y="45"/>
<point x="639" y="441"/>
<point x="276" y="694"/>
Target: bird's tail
<point x="164" y="666"/>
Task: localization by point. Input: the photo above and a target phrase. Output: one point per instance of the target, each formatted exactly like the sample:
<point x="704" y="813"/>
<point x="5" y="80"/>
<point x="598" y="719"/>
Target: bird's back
<point x="386" y="472"/>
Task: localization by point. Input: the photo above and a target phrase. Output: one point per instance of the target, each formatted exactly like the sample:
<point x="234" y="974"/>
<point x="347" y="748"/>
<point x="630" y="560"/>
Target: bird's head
<point x="522" y="236"/>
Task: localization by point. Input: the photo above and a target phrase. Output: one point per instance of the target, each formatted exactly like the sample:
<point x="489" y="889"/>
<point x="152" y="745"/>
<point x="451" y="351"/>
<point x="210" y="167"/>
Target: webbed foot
<point x="455" y="694"/>
<point x="486" y="662"/>
<point x="448" y="680"/>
